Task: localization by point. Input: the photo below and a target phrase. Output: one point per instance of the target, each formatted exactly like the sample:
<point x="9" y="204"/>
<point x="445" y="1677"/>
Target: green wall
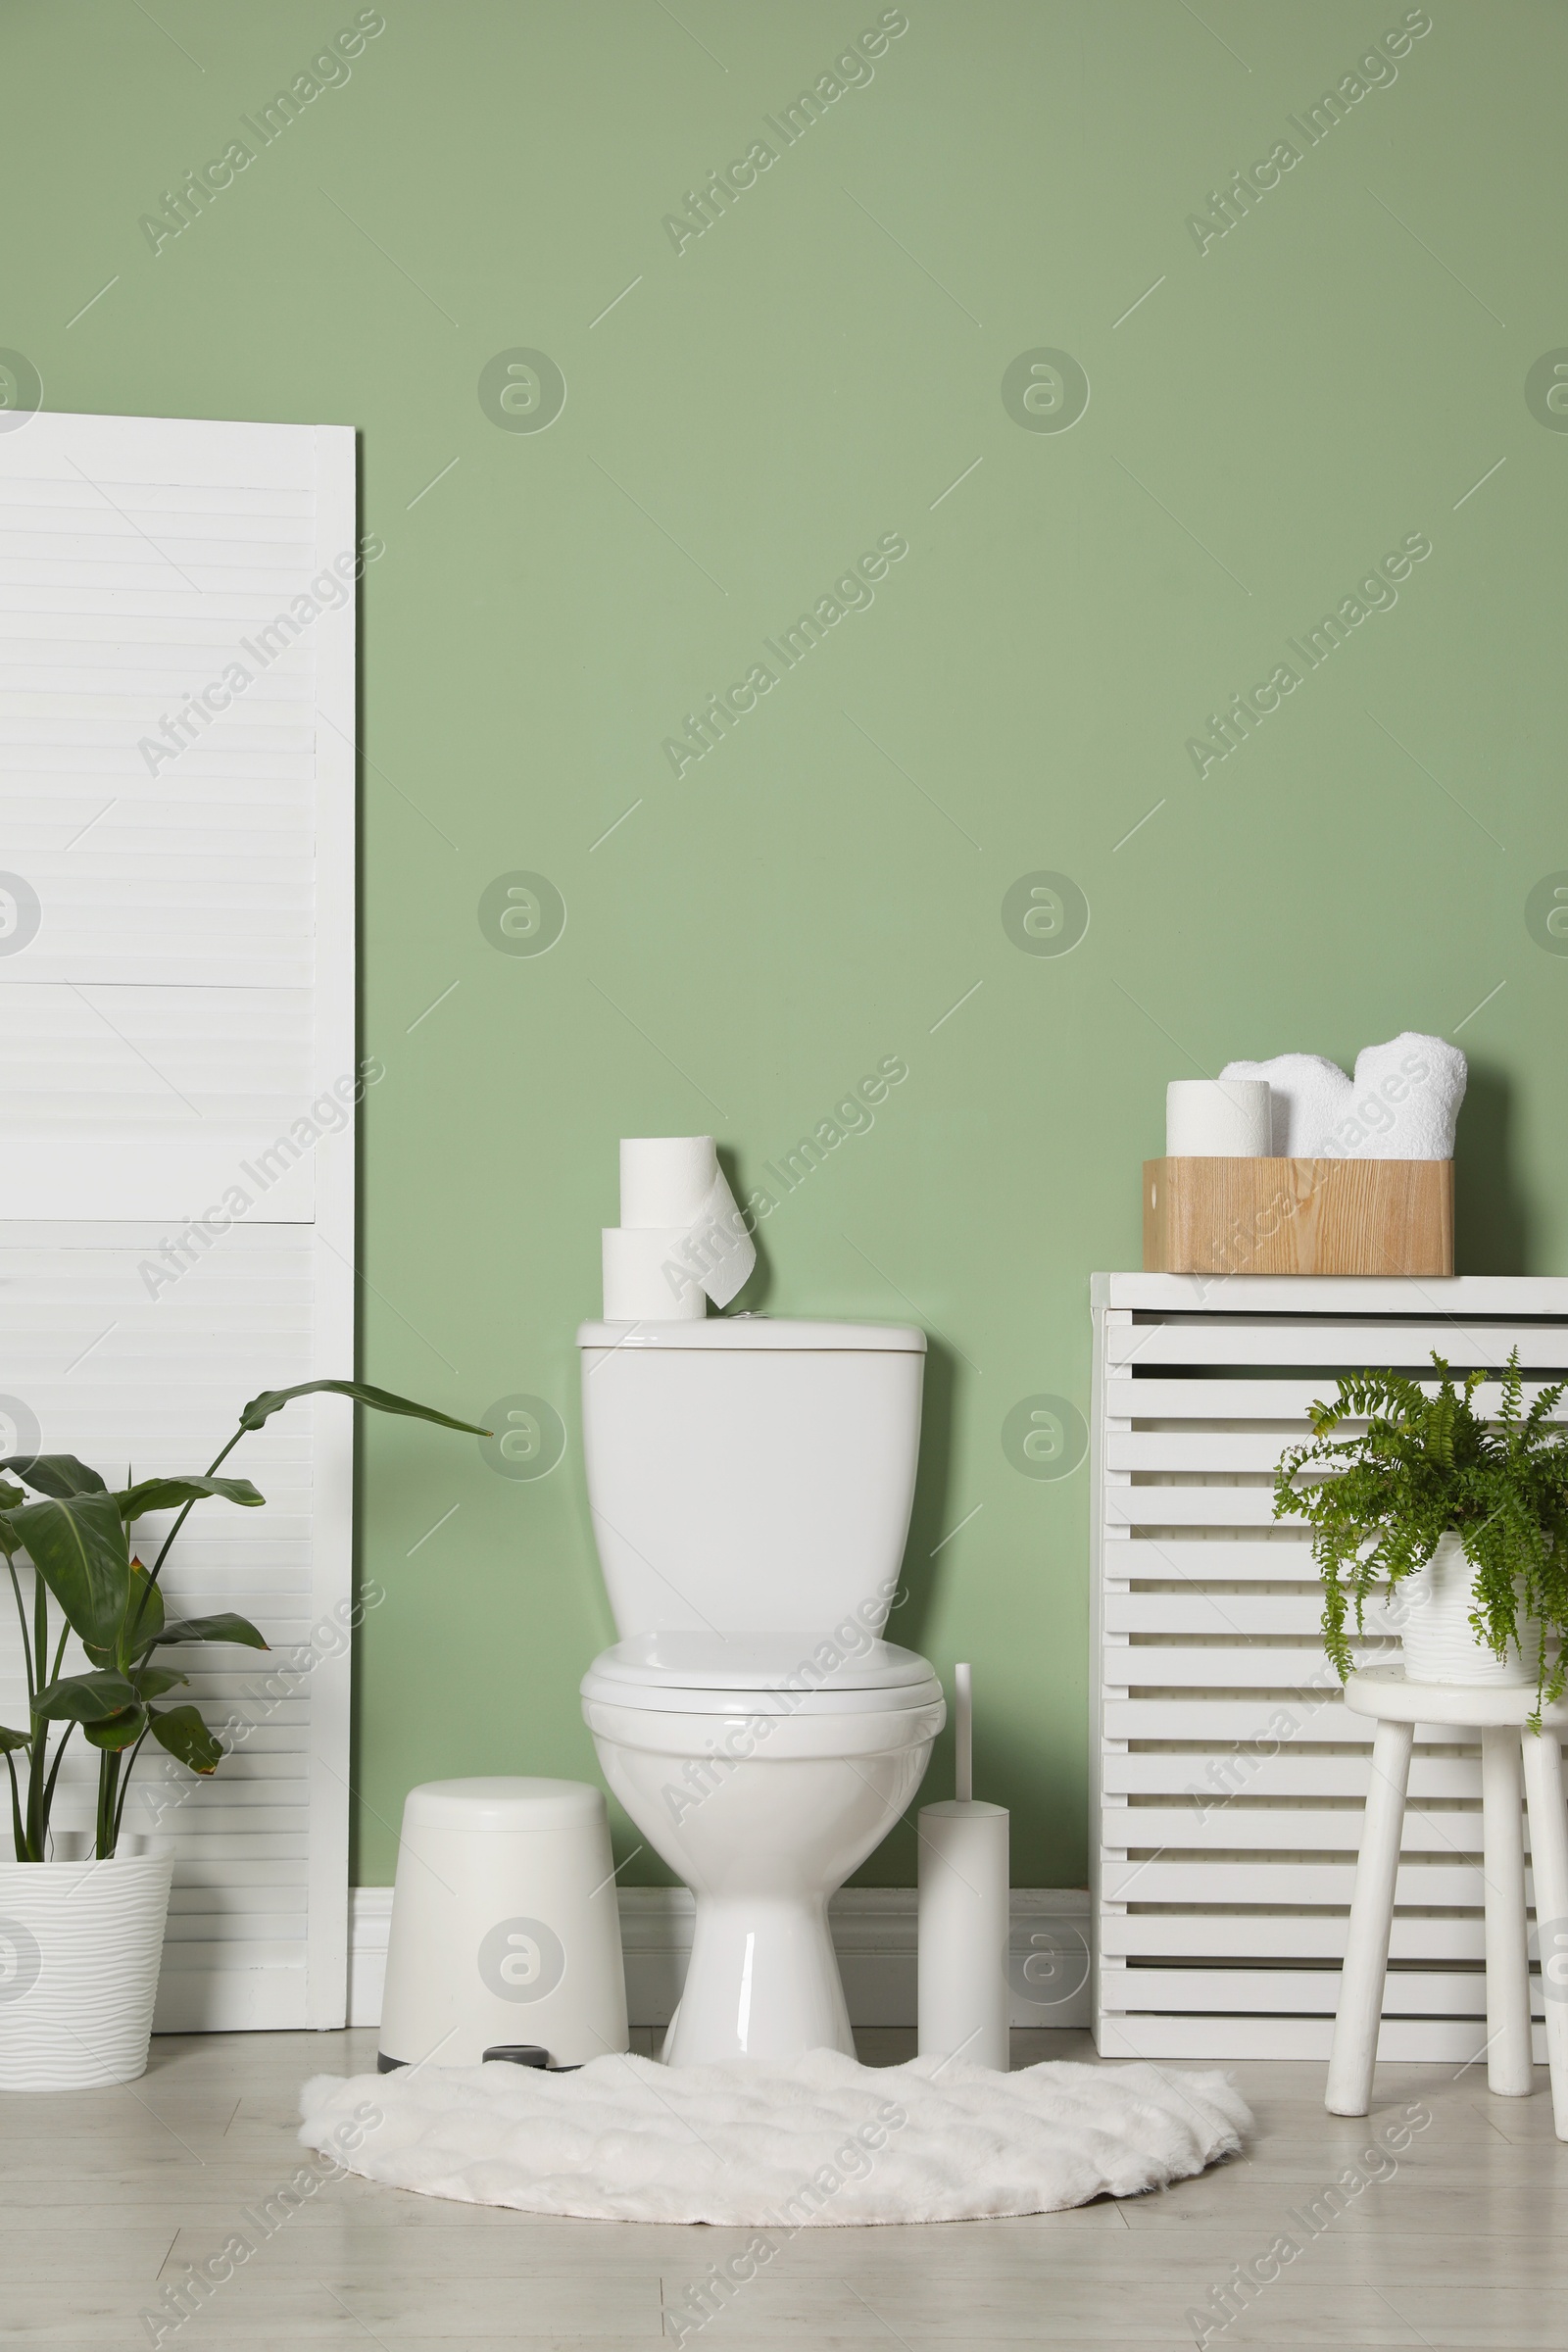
<point x="817" y="370"/>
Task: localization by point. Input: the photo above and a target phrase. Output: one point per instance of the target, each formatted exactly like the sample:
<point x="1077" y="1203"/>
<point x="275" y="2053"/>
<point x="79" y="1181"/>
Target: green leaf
<point x="57" y="1473"/>
<point x="117" y="1732"/>
<point x="144" y="1596"/>
<point x="10" y="1496"/>
<point x="86" y="1697"/>
<point x="153" y="1680"/>
<point x="182" y="1732"/>
<point x="168" y="1494"/>
<point x="78" y="1545"/>
<point x="144" y="1613"/>
<point x="225" y="1627"/>
<point x="262" y="1408"/>
<point x="10" y="1740"/>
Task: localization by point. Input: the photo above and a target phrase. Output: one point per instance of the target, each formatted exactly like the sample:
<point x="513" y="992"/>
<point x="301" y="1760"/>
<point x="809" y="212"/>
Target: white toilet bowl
<point x="763" y="1783"/>
<point x="748" y="1474"/>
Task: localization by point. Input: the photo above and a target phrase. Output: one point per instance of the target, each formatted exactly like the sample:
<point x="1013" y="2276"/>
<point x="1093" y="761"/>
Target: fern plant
<point x="1424" y="1468"/>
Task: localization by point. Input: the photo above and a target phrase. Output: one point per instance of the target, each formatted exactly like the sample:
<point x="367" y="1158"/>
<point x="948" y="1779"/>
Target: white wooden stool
<point x="1503" y="1718"/>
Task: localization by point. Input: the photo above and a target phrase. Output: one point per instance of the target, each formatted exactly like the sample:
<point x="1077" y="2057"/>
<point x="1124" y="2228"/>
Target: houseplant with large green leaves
<point x="75" y="2003"/>
<point x="1462" y="1519"/>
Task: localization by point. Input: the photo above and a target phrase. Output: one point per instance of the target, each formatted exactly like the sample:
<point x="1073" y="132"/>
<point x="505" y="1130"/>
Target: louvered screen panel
<point x="176" y="1043"/>
<point x="1230" y="1778"/>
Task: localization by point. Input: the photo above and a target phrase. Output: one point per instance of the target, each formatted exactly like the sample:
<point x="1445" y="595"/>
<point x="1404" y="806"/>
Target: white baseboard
<point x="203" y="1989"/>
<point x="874" y="1932"/>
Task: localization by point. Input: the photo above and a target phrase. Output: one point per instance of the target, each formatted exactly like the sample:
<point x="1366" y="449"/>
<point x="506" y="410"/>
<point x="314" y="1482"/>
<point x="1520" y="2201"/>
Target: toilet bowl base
<point x="764" y="1983"/>
<point x="763" y="1816"/>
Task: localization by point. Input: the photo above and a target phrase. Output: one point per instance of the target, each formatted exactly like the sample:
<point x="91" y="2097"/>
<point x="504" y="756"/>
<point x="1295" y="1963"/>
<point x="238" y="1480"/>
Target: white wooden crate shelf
<point x="1228" y="1777"/>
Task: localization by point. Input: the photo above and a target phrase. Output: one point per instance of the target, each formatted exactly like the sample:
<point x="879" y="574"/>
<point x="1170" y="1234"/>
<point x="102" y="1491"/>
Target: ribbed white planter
<point x="79" y="1949"/>
<point x="1440" y="1645"/>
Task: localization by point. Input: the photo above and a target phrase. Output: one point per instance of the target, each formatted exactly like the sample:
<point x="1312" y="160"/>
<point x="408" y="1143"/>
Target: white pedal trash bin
<point x="505" y="1926"/>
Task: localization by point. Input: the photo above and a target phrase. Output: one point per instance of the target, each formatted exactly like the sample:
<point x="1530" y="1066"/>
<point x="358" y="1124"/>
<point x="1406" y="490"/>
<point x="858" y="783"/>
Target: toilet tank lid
<point x="759" y="1332"/>
<point x="771" y="1661"/>
<point x="502" y="1802"/>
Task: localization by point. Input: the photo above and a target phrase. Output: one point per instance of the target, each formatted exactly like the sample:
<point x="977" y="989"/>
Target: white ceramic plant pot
<point x="1431" y="1609"/>
<point x="79" y="1949"/>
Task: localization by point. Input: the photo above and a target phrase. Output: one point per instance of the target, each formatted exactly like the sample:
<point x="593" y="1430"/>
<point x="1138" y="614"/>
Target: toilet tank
<point x="750" y="1474"/>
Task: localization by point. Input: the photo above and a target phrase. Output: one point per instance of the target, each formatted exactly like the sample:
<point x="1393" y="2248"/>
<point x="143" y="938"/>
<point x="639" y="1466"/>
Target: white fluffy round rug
<point x="817" y="2140"/>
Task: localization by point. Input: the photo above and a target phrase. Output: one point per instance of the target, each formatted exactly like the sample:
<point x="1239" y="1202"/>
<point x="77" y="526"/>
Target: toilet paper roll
<point x="1217" y="1118"/>
<point x="646" y="1277"/>
<point x="675" y="1181"/>
<point x="666" y="1179"/>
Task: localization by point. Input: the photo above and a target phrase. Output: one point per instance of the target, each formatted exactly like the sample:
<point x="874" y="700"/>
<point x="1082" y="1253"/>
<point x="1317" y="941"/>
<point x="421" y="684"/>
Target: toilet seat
<point x="784" y="1675"/>
<point x="745" y="1733"/>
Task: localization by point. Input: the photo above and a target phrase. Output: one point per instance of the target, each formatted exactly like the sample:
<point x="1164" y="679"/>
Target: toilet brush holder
<point x="963" y="1928"/>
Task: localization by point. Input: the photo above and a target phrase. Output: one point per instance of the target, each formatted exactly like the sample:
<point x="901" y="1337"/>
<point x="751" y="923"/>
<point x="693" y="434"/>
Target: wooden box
<point x="1298" y="1216"/>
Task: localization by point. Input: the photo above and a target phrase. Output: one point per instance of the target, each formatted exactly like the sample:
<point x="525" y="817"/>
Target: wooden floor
<point x="111" y="2198"/>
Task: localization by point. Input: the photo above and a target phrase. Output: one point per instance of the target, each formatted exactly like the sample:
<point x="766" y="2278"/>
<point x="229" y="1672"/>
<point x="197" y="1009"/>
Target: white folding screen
<point x="1229" y="1780"/>
<point x="177" y="1081"/>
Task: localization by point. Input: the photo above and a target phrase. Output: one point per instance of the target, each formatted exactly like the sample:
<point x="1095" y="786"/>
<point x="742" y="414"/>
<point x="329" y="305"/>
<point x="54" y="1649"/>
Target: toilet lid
<point x="800" y="1673"/>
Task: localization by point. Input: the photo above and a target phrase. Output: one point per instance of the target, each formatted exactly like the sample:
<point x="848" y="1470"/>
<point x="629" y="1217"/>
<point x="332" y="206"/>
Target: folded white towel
<point x="1308" y="1095"/>
<point x="1406" y="1099"/>
<point x="1402" y="1103"/>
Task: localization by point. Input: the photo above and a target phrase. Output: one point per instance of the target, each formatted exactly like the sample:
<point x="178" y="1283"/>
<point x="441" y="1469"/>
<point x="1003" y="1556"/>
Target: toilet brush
<point x="962" y="1936"/>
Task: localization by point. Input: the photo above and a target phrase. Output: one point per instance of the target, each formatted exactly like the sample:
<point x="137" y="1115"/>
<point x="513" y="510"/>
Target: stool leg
<point x="1509" y="2064"/>
<point x="1366" y="1944"/>
<point x="1548" y="1853"/>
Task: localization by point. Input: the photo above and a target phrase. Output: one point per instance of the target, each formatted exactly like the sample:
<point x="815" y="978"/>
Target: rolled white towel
<point x="1405" y="1100"/>
<point x="1310" y="1095"/>
<point x="1402" y="1103"/>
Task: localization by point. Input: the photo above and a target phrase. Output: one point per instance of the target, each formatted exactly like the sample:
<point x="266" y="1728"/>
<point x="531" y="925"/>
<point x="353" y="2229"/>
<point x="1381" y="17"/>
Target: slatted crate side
<point x="1214" y="1664"/>
<point x="1198" y="1610"/>
<point x="1295" y="1614"/>
<point x="1159" y="1399"/>
<point x="1189" y="1449"/>
<point x="1228" y="1439"/>
<point x="1307" y="1991"/>
<point x="1183" y="1774"/>
<point x="1507" y="1298"/>
<point x="1105" y="1544"/>
<point x="1243" y="1827"/>
<point x="1227" y="1938"/>
<point x="1297" y="1346"/>
<point x="1213" y="1557"/>
<point x="1230" y="1779"/>
<point x="1425" y="1882"/>
<point x="1197" y="1506"/>
<point x="1459" y="2043"/>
